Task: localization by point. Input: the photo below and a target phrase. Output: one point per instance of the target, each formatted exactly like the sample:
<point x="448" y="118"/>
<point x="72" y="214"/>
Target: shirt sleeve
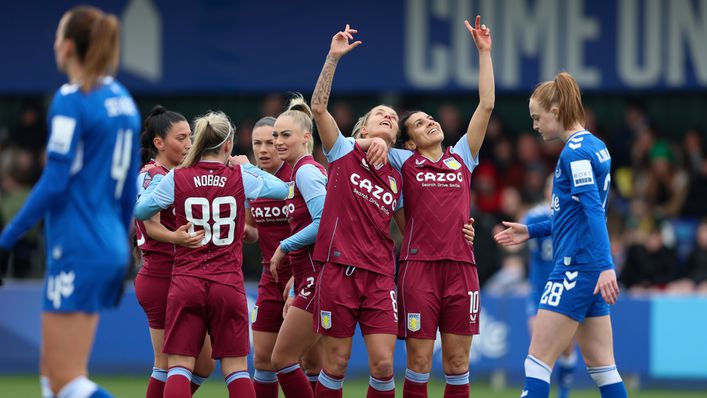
<point x="594" y="211"/>
<point x="462" y="149"/>
<point x="158" y="196"/>
<point x="580" y="169"/>
<point x="64" y="137"/>
<point x="48" y="191"/>
<point x="397" y="157"/>
<point x="540" y="229"/>
<point x="307" y="235"/>
<point x="261" y="184"/>
<point x="341" y="148"/>
<point x="129" y="194"/>
<point x="310" y="182"/>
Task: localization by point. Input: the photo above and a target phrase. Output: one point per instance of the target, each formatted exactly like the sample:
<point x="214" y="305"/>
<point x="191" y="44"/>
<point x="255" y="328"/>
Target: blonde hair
<point x="563" y="91"/>
<point x="96" y="37"/>
<point x="299" y="111"/>
<point x="211" y="132"/>
<point x="356" y="132"/>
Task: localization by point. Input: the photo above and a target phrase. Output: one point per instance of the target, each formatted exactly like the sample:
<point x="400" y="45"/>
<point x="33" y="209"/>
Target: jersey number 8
<point x="209" y="212"/>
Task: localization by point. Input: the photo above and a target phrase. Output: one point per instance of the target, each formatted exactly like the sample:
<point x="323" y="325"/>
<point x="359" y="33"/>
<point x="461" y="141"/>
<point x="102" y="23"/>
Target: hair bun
<point x="157" y="110"/>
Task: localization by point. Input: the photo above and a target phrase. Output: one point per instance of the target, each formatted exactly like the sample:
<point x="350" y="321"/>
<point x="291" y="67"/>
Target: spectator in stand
<point x="693" y="276"/>
<point x="650" y="265"/>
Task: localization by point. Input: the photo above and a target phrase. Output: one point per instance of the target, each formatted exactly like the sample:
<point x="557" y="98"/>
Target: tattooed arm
<point x="326" y="125"/>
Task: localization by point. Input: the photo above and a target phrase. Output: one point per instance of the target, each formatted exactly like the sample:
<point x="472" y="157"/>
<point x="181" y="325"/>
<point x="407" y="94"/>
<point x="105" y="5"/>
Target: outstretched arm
<point x="326" y="125"/>
<point x="480" y="120"/>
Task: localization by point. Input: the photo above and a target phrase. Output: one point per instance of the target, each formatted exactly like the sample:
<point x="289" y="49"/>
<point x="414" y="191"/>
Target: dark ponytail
<point x="156" y="124"/>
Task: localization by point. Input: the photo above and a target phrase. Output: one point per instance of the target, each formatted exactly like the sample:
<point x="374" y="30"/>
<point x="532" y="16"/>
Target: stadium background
<point x="641" y="63"/>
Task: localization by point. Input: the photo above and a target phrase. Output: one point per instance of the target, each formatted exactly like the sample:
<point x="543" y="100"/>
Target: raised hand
<point x="480" y="33"/>
<point x="514" y="234"/>
<point x="238" y="160"/>
<point x="340" y="45"/>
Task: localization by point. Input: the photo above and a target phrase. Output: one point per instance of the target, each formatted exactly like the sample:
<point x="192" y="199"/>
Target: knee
<point x="262" y="362"/>
<point x="336" y="363"/>
<point x="161" y="361"/>
<point x="204" y="366"/>
<point x="311" y="365"/>
<point x="381" y="367"/>
<point x="456" y="363"/>
<point x="419" y="363"/>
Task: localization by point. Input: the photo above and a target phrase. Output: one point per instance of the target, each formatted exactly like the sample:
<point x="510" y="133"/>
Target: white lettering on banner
<point x="491" y="342"/>
<point x="687" y="28"/>
<point x="559" y="35"/>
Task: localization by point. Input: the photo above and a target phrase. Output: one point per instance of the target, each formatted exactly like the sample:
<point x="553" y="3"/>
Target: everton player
<point x="570" y="305"/>
<point x="207" y="292"/>
<point x="540" y="266"/>
<point x="85" y="195"/>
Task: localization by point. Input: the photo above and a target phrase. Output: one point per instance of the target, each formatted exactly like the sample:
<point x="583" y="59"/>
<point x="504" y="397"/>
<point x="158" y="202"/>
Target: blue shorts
<point x="570" y="292"/>
<point x="84" y="288"/>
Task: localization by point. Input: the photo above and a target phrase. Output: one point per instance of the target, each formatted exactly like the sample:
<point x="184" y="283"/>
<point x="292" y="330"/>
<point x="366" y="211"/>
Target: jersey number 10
<point x="211" y="219"/>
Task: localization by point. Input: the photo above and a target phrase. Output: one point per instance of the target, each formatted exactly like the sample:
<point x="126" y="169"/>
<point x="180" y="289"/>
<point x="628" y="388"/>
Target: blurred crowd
<point x="657" y="211"/>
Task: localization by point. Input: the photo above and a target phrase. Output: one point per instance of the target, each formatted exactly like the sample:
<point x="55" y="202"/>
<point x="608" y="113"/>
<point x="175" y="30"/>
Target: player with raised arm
<point x="269" y="217"/>
<point x="570" y="306"/>
<point x="86" y="196"/>
<point x="166" y="139"/>
<point x="207" y="291"/>
<point x="296" y="341"/>
<point x="438" y="284"/>
<point x="354" y="244"/>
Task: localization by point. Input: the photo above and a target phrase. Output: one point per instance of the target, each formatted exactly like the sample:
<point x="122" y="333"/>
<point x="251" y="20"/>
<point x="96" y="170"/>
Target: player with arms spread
<point x="570" y="306"/>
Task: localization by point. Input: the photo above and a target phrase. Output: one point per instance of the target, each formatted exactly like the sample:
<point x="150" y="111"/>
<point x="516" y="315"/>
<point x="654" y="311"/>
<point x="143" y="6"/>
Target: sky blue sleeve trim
<point x="540" y="229"/>
<point x="307" y="235"/>
<point x="310" y="182"/>
<point x="261" y="184"/>
<point x="47" y="192"/>
<point x="397" y="157"/>
<point x="341" y="148"/>
<point x="155" y="198"/>
<point x="462" y="149"/>
<point x="597" y="225"/>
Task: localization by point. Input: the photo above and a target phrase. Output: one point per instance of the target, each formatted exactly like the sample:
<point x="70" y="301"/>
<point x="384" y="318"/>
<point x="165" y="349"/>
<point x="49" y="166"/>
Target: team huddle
<point x="324" y="235"/>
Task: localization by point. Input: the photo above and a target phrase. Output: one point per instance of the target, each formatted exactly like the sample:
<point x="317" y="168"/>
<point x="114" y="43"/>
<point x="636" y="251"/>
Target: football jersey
<point x="583" y="167"/>
<point x="540" y="249"/>
<point x="158" y="256"/>
<point x="94" y="135"/>
<point x="361" y="199"/>
<point x="437" y="203"/>
<point x="298" y="216"/>
<point x="270" y="218"/>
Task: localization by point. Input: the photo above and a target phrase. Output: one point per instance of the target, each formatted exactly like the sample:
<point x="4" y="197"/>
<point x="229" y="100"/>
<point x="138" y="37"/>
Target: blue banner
<point x="656" y="338"/>
<point x="418" y="46"/>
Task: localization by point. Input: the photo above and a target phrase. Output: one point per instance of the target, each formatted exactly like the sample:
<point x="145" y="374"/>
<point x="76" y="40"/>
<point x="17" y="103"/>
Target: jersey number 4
<point x="121" y="160"/>
<point x="211" y="219"/>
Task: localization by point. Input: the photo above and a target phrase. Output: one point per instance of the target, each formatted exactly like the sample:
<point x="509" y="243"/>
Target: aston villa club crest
<point x="393" y="184"/>
<point x="413" y="321"/>
<point x="254" y="315"/>
<point x="325" y="317"/>
<point x="291" y="190"/>
<point x="146" y="182"/>
<point x="452" y="163"/>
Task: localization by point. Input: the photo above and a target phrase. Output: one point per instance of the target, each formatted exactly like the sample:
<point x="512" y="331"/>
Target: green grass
<point x="134" y="387"/>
